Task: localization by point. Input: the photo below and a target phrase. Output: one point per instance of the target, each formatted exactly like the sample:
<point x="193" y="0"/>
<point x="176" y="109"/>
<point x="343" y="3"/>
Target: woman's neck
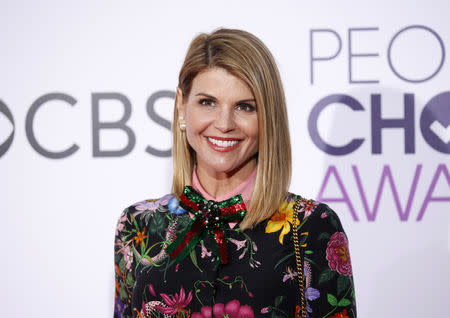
<point x="218" y="184"/>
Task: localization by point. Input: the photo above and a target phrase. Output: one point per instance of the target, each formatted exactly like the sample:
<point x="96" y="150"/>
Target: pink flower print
<point x="151" y="289"/>
<point x="149" y="307"/>
<point x="119" y="228"/>
<point x="146" y="205"/>
<point x="265" y="310"/>
<point x="239" y="244"/>
<point x="308" y="206"/>
<point x="232" y="309"/>
<point x="127" y="257"/>
<point x="205" y="312"/>
<point x="289" y="274"/>
<point x="323" y="215"/>
<point x="205" y="252"/>
<point x="338" y="255"/>
<point x="123" y="218"/>
<point x="175" y="303"/>
<point x="120" y="224"/>
<point x="165" y="199"/>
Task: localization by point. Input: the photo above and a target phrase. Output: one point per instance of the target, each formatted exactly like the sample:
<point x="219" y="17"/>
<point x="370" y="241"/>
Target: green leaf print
<point x="334" y="222"/>
<point x="163" y="208"/>
<point x="122" y="265"/>
<point x="279" y="300"/>
<point x="344" y="302"/>
<point x="326" y="275"/>
<point x="122" y="292"/>
<point x="146" y="215"/>
<point x="283" y="259"/>
<point x="342" y="284"/>
<point x="156" y="224"/>
<point x="324" y="236"/>
<point x="332" y="300"/>
<point x="193" y="257"/>
<point x="130" y="280"/>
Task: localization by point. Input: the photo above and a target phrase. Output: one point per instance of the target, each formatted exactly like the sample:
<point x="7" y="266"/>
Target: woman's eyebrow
<point x="241" y="101"/>
<point x="247" y="100"/>
<point x="206" y="95"/>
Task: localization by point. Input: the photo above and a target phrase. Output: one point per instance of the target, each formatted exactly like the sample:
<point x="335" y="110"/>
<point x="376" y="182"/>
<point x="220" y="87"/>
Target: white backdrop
<point x="350" y="68"/>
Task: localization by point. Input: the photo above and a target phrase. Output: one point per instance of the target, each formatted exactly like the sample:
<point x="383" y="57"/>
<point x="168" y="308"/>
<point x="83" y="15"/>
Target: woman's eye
<point x="206" y="102"/>
<point x="246" y="107"/>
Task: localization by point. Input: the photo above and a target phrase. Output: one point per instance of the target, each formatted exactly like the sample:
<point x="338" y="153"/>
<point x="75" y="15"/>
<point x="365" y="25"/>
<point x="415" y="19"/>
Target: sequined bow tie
<point x="210" y="218"/>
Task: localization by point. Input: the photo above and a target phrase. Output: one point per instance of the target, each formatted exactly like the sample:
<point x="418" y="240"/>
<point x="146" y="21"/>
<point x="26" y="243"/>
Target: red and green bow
<point x="210" y="218"/>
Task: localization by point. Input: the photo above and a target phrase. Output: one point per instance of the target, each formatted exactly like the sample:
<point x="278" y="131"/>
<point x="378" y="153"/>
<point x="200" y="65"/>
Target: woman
<point x="221" y="245"/>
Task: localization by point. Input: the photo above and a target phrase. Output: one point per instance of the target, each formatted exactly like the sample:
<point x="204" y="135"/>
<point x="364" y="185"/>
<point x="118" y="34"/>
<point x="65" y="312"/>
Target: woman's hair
<point x="243" y="55"/>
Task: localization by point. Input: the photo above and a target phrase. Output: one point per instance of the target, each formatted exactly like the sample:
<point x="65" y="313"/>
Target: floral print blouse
<point x="259" y="280"/>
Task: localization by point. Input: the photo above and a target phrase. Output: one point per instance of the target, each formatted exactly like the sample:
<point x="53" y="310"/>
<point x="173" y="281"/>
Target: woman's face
<point x="221" y="122"/>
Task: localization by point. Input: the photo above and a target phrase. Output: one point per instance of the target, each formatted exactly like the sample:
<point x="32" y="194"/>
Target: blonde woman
<point x="222" y="244"/>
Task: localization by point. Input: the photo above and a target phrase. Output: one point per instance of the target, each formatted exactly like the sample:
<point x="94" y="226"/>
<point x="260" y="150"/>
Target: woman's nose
<point x="225" y="120"/>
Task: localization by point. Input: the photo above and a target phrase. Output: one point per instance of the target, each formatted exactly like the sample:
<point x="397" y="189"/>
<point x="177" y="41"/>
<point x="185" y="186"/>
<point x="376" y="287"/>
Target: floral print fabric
<point x="259" y="280"/>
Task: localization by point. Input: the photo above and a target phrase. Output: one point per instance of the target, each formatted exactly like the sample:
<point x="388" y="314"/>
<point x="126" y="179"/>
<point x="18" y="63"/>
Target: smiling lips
<point x="223" y="144"/>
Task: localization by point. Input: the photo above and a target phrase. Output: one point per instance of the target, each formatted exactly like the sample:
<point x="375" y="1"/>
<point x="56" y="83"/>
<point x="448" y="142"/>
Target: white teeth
<point x="223" y="143"/>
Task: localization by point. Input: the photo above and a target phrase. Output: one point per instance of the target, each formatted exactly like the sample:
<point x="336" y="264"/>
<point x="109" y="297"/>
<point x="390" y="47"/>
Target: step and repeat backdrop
<point x="86" y="99"/>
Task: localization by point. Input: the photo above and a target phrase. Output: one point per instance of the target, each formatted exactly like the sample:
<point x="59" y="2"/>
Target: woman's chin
<point x="228" y="168"/>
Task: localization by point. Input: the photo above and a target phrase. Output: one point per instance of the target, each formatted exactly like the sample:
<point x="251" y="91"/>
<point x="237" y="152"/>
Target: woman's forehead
<point x="218" y="82"/>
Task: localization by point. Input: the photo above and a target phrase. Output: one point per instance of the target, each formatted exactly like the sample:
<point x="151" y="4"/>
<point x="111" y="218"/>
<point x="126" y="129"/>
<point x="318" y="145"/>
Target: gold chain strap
<point x="298" y="258"/>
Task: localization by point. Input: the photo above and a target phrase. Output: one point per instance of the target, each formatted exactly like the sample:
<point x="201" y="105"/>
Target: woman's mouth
<point x="223" y="144"/>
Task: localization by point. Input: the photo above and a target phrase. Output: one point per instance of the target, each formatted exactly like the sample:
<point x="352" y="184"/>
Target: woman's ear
<point x="180" y="105"/>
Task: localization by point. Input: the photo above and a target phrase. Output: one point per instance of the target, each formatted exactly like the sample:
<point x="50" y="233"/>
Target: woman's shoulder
<point x="149" y="222"/>
<point x="142" y="226"/>
<point x="310" y="211"/>
<point x="149" y="205"/>
<point x="145" y="211"/>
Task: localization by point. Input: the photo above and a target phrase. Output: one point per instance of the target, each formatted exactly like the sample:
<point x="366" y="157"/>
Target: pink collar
<point x="245" y="188"/>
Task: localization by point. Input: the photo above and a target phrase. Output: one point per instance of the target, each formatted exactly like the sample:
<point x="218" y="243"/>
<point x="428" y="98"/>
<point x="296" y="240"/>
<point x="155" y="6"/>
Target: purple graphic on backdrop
<point x="378" y="123"/>
<point x="406" y="123"/>
<point x="441" y="61"/>
<point x="326" y="38"/>
<point x="435" y="122"/>
<point x="313" y="128"/>
<point x="371" y="212"/>
<point x="441" y="170"/>
<point x="386" y="183"/>
<point x="7" y="113"/>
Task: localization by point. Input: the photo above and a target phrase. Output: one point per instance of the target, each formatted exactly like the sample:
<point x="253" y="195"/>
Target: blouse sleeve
<point x="124" y="265"/>
<point x="329" y="288"/>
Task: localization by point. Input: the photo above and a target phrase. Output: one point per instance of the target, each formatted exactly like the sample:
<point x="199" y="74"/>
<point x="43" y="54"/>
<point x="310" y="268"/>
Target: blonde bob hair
<point x="243" y="55"/>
